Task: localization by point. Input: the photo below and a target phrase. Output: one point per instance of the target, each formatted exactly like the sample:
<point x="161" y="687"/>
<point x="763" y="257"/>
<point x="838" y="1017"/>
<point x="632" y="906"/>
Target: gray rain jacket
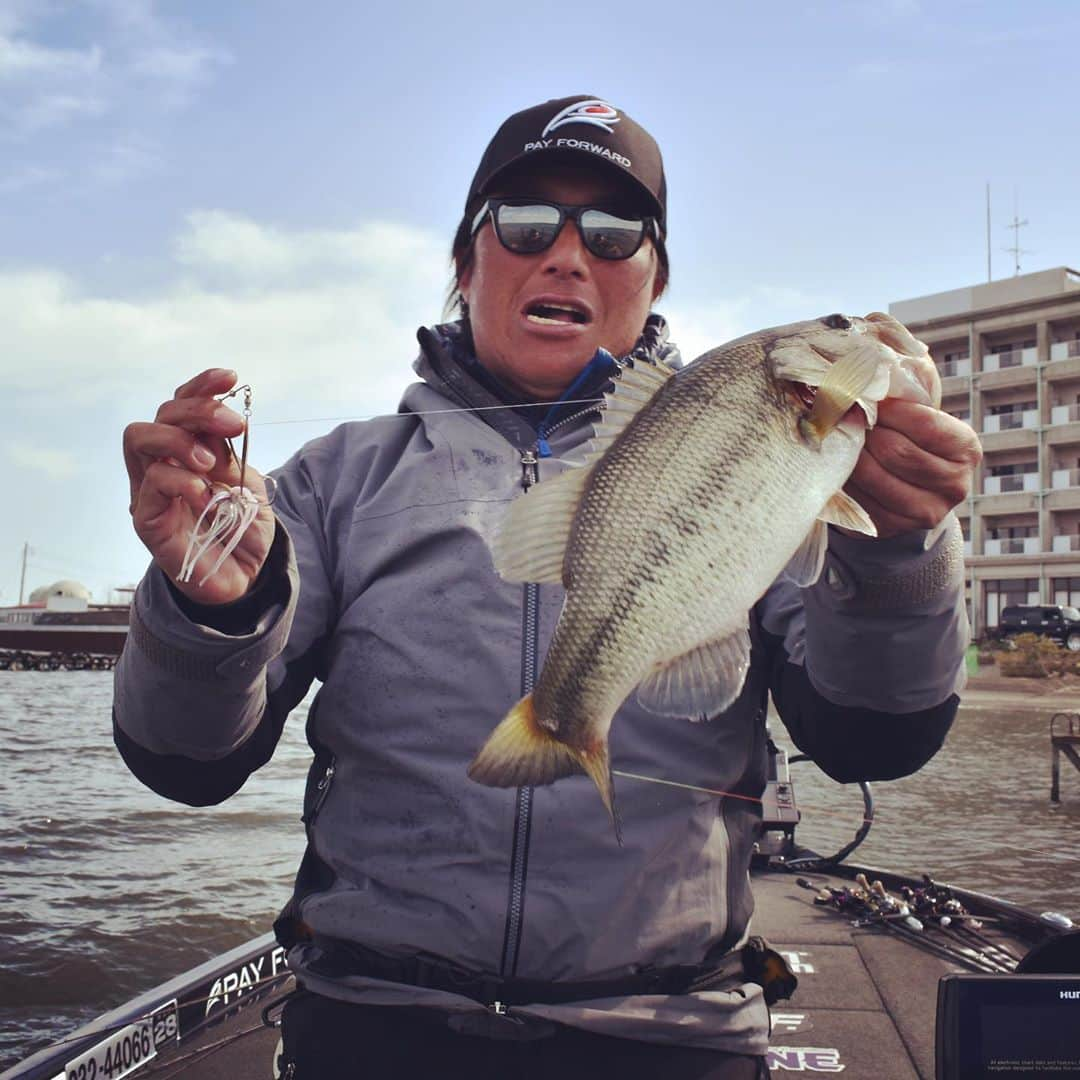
<point x="380" y="585"/>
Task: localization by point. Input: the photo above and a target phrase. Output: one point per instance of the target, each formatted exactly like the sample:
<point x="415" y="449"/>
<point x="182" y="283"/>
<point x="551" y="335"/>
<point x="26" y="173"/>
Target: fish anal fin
<point x="705" y="680"/>
<point x="844" y="511"/>
<point x="521" y="752"/>
<point x="595" y="760"/>
<point x="530" y="544"/>
<point x="804" y="567"/>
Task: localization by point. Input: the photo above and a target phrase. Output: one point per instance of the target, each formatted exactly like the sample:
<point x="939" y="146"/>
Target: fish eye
<point x="837" y="322"/>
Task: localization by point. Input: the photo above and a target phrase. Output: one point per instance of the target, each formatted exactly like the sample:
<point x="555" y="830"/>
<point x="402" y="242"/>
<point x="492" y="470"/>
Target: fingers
<point x="935" y="431"/>
<point x="164" y="484"/>
<point x="902" y="467"/>
<point x="888" y="522"/>
<point x="209" y="383"/>
<point x="916" y="465"/>
<point x="190" y="429"/>
<point x="895" y="505"/>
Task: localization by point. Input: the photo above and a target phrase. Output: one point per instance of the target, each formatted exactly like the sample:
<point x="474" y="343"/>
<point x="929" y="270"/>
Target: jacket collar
<point x="446" y="363"/>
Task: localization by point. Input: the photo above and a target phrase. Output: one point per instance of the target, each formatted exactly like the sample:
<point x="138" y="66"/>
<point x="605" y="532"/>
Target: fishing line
<point x="803" y="806"/>
<point x="423" y="412"/>
<point x="731" y="794"/>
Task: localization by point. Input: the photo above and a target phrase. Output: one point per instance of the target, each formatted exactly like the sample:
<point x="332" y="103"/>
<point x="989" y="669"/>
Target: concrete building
<point x="1009" y="356"/>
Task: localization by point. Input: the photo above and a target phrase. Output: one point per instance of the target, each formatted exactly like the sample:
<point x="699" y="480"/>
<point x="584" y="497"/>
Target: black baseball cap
<point x="578" y="127"/>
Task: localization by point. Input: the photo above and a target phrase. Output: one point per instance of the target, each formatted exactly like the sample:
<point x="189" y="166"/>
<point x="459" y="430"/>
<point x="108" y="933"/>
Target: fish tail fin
<point x="521" y="752"/>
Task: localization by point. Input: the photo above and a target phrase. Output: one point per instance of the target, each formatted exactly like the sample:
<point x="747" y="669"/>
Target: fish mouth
<point x="557" y="311"/>
<point x="806" y="395"/>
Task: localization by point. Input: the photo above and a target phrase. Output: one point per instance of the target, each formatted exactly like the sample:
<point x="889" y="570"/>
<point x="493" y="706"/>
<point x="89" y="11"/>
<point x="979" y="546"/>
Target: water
<point x="109" y="890"/>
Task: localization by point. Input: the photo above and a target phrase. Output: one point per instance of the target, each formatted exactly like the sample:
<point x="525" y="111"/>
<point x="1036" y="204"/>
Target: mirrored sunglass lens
<point x="527" y="228"/>
<point x="611" y="237"/>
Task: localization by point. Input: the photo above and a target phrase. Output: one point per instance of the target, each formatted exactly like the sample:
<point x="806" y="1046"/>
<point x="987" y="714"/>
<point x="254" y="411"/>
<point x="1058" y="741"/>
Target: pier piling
<point x="1064" y="741"/>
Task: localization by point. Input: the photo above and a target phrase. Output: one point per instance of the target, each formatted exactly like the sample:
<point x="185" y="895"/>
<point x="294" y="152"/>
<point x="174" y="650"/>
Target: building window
<point x="1013" y="532"/>
<point x="1066" y="591"/>
<point x="1001" y="594"/>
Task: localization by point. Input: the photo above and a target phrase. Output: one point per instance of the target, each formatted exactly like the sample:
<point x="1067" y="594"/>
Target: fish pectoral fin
<point x="804" y="567"/>
<point x="860" y="376"/>
<point x="531" y="540"/>
<point x="844" y="511"/>
<point x="520" y="752"/>
<point x="705" y="680"/>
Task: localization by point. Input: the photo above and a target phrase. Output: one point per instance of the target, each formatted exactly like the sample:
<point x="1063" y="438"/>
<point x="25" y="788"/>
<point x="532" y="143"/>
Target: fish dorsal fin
<point x="804" y="567"/>
<point x="531" y="540"/>
<point x="844" y="511"/>
<point x="635" y="387"/>
<point x="704" y="681"/>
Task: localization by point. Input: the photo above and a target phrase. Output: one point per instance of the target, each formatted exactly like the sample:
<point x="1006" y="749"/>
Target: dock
<point x="1064" y="742"/>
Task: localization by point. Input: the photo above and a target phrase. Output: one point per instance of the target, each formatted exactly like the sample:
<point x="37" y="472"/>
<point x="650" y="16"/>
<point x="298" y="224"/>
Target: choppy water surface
<point x="109" y="890"/>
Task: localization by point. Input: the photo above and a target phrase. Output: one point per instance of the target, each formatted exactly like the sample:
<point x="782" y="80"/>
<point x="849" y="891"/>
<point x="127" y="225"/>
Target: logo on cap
<point x="598" y="113"/>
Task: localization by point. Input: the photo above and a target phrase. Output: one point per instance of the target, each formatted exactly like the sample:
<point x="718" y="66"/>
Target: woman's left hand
<point x="916" y="465"/>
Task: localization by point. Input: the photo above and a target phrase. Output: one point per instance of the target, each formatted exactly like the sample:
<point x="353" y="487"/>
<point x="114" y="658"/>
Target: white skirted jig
<point x="227" y="515"/>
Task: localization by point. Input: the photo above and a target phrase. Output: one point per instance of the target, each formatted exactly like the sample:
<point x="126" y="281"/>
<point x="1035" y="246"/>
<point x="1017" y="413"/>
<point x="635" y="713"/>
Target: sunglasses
<point x="526" y="227"/>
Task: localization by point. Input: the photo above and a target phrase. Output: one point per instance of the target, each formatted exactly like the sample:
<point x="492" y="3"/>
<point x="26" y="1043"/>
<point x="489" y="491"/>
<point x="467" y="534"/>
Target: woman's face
<point x="607" y="301"/>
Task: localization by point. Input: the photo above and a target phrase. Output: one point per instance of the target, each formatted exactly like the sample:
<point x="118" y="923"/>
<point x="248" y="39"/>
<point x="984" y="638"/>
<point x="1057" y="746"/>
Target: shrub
<point x="1036" y="657"/>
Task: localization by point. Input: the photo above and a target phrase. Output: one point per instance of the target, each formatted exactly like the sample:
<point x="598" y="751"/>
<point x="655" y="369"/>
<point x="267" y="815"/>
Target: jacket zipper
<point x="519" y="859"/>
<point x="322" y="789"/>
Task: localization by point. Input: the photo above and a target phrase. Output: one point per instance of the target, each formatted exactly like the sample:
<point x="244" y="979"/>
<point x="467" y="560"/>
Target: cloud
<point x="304" y="315"/>
<point x="27" y="176"/>
<point x="874" y="69"/>
<point x="53" y="110"/>
<point x="220" y="243"/>
<point x="130" y="63"/>
<point x="22" y="59"/>
<point x="123" y="160"/>
<point x="179" y="65"/>
<point x="56" y="464"/>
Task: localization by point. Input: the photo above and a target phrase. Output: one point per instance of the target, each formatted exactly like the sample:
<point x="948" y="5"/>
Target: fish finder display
<point x="1008" y="1026"/>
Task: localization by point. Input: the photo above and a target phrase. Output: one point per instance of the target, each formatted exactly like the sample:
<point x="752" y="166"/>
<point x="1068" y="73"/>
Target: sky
<point x="273" y="187"/>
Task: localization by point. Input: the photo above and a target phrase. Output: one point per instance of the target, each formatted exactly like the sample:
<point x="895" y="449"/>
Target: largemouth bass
<point x="698" y="489"/>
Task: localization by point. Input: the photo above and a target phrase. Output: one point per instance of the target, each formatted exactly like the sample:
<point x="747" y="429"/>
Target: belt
<point x="339" y="959"/>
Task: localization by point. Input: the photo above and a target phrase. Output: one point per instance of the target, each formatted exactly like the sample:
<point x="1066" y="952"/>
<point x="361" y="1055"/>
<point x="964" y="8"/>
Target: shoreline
<point x="988" y="689"/>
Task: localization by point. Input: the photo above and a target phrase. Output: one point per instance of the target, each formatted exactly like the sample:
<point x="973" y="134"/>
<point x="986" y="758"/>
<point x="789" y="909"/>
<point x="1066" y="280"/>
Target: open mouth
<point x="552" y="314"/>
<point x="805" y="394"/>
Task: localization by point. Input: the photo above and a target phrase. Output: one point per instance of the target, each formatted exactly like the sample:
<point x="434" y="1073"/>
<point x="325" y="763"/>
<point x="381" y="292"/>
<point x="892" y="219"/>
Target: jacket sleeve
<point x="201" y="694"/>
<point x="866" y="664"/>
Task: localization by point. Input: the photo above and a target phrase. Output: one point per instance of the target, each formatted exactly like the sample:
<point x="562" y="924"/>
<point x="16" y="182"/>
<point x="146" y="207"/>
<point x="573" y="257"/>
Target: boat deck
<point x="866" y="1000"/>
<point x="865" y="1004"/>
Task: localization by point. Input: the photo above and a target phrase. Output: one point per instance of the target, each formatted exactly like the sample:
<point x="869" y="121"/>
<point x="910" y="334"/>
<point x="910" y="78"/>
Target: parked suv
<point x="1051" y="620"/>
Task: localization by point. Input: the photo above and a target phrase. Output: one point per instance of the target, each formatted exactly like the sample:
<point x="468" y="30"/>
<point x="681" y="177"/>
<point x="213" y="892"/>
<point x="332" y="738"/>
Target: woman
<point x="437" y="923"/>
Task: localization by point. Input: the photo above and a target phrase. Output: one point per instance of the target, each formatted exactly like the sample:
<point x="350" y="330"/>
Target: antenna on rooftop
<point x="1016" y="225"/>
<point x="988" y="274"/>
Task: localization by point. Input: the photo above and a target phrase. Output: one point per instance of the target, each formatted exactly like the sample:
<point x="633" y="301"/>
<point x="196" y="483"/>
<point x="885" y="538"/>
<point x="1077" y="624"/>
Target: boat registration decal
<point x="804" y="1059"/>
<point x="128" y="1049"/>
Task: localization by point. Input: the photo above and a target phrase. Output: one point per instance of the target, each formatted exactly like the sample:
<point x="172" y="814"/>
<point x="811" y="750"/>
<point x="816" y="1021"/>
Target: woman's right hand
<point x="174" y="465"/>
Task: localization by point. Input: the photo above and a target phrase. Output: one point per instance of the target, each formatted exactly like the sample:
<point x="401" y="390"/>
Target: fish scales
<point x="669" y="532"/>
